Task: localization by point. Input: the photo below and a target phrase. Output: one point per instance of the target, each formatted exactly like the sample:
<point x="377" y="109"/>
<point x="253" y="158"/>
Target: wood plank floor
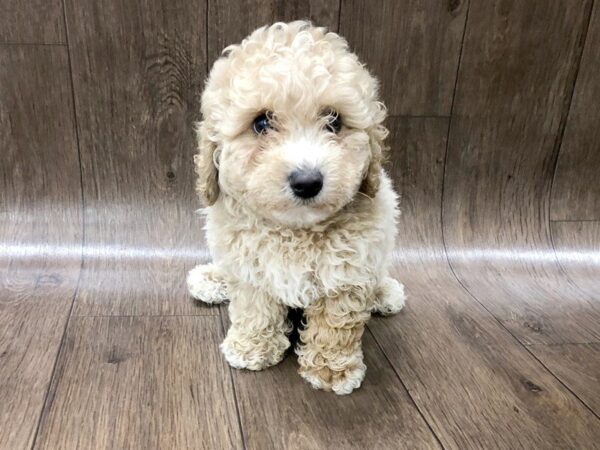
<point x="141" y="382"/>
<point x="494" y="150"/>
<point x="40" y="216"/>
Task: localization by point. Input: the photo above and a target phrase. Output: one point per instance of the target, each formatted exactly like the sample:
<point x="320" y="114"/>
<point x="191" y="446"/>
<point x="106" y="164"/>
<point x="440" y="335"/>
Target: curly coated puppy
<point x="299" y="210"/>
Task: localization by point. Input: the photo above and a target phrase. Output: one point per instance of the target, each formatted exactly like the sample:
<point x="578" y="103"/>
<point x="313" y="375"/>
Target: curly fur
<point x="271" y="251"/>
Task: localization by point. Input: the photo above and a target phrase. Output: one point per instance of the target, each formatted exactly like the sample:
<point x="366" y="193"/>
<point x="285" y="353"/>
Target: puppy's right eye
<point x="262" y="123"/>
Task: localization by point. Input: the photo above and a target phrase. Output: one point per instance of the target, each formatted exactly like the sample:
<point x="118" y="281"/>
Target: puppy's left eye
<point x="334" y="122"/>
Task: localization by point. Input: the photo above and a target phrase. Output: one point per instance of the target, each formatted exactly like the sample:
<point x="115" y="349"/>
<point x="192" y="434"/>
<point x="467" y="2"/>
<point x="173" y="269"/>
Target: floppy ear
<point x="370" y="184"/>
<point x="207" y="184"/>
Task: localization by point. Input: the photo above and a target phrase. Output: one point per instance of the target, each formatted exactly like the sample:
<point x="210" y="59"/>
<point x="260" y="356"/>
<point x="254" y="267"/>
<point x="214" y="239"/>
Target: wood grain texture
<point x="475" y="384"/>
<point x="279" y="410"/>
<point x="138" y="69"/>
<point x="413" y="46"/>
<point x="518" y="65"/>
<point x="151" y="383"/>
<point x="498" y="350"/>
<point x="32" y="22"/>
<point x="577" y="366"/>
<point x="576" y="191"/>
<point x="40" y="230"/>
<point x="577" y="247"/>
<point x="230" y="21"/>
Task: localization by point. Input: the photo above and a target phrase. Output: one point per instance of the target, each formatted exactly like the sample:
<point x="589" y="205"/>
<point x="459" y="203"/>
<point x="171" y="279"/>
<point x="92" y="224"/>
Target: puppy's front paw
<point x="206" y="284"/>
<point x="390" y="297"/>
<point x="341" y="382"/>
<point x="254" y="352"/>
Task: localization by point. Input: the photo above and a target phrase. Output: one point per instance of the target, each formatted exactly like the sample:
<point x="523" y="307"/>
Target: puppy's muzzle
<point x="306" y="183"/>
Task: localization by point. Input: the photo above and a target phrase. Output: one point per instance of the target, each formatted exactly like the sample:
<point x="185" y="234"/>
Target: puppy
<point x="299" y="210"/>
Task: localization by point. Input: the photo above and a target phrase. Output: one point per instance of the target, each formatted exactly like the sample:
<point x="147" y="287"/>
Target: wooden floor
<point x="495" y="147"/>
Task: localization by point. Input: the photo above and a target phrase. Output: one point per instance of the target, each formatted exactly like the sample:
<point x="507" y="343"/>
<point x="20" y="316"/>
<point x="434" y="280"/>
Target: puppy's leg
<point x="257" y="337"/>
<point x="389" y="297"/>
<point x="330" y="355"/>
<point x="205" y="283"/>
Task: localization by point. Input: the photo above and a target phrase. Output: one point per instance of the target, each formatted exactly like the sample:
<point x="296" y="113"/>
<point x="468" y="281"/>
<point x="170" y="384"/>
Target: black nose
<point x="306" y="183"/>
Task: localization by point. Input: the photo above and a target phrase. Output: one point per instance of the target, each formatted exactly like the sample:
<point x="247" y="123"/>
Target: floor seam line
<point x="568" y="105"/>
<point x="53" y="380"/>
<point x="412" y="400"/>
<point x="235" y="396"/>
<point x="558" y="344"/>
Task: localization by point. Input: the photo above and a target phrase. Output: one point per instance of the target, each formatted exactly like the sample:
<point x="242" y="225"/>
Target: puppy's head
<point x="291" y="126"/>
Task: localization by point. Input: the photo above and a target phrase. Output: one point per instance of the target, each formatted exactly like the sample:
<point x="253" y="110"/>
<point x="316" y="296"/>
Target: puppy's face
<point x="291" y="126"/>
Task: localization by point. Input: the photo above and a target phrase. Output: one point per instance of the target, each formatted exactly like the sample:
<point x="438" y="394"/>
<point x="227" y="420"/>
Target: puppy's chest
<point x="299" y="267"/>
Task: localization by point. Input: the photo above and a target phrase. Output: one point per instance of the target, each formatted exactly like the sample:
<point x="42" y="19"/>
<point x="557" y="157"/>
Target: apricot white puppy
<point x="299" y="210"/>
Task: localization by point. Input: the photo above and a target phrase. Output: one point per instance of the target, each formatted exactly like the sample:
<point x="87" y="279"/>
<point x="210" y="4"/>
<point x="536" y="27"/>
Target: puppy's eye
<point x="262" y="123"/>
<point x="334" y="122"/>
